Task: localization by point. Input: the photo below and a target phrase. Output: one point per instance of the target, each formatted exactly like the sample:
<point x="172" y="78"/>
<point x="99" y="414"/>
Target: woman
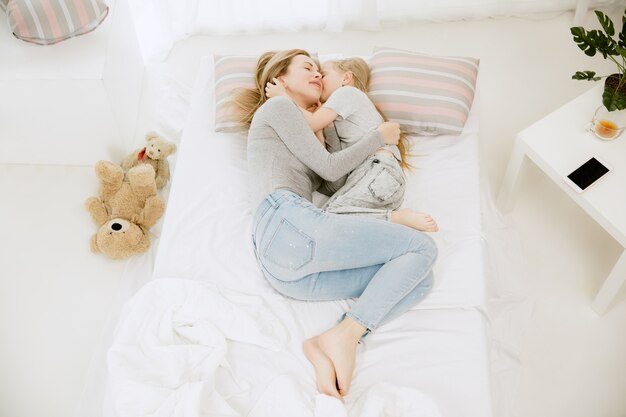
<point x="307" y="254"/>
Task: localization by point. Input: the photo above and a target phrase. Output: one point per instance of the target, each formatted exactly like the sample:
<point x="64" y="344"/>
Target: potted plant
<point x="604" y="42"/>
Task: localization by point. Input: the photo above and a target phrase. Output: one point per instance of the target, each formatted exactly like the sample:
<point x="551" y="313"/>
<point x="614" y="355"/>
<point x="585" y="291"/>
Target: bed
<point x="208" y="336"/>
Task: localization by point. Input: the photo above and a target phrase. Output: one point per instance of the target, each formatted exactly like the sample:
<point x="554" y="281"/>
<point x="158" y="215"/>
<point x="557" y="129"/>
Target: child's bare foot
<point x="325" y="377"/>
<point x="418" y="221"/>
<point x="339" y="345"/>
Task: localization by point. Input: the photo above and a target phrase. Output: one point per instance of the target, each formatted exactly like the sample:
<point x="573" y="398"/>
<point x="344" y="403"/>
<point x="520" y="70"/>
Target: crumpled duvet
<point x="170" y="357"/>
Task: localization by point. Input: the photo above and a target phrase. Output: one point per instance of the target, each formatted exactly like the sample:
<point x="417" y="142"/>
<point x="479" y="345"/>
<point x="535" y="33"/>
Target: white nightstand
<point x="559" y="143"/>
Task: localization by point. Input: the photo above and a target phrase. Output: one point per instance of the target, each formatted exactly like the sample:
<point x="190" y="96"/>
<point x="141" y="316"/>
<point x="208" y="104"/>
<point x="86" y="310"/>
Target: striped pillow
<point x="46" y="22"/>
<point x="231" y="71"/>
<point x="426" y="94"/>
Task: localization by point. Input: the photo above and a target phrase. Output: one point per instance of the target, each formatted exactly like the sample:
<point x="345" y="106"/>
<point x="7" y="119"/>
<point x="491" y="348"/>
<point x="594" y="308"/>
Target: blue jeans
<point x="308" y="254"/>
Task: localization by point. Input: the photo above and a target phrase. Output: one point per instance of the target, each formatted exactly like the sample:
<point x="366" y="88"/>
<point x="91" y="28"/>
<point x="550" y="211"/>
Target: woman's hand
<point x="390" y="132"/>
<point x="275" y="88"/>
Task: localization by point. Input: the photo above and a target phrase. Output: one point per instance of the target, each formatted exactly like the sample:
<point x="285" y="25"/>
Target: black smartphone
<point x="588" y="173"/>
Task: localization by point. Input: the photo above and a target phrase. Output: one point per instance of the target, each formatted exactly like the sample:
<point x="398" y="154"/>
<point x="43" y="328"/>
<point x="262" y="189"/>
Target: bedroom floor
<point x="56" y="297"/>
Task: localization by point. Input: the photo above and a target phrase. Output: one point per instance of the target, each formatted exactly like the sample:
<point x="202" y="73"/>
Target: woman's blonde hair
<point x="361" y="76"/>
<point x="270" y="65"/>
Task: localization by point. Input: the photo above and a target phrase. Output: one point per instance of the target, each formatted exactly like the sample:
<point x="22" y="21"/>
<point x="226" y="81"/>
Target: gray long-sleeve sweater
<point x="283" y="153"/>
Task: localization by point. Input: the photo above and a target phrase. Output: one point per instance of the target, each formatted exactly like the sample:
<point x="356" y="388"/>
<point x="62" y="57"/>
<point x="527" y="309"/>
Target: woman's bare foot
<point x="339" y="345"/>
<point x="418" y="221"/>
<point x="325" y="377"/>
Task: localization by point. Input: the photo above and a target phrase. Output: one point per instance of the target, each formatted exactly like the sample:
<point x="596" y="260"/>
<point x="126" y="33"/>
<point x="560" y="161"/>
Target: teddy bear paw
<point x="141" y="175"/>
<point x="109" y="172"/>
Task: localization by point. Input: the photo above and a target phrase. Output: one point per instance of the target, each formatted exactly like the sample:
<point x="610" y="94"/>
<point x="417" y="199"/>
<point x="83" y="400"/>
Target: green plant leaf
<point x="606" y="23"/>
<point x="582" y="40"/>
<point x="613" y="99"/>
<point x="620" y="50"/>
<point x="604" y="44"/>
<point x="594" y="41"/>
<point x="585" y="75"/>
<point x="622" y="36"/>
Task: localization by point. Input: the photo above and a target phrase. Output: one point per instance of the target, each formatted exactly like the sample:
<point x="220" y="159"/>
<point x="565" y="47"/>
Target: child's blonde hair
<point x="361" y="75"/>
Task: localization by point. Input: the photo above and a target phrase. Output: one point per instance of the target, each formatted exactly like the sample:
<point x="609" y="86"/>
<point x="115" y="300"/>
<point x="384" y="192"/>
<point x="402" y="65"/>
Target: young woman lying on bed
<point x="307" y="253"/>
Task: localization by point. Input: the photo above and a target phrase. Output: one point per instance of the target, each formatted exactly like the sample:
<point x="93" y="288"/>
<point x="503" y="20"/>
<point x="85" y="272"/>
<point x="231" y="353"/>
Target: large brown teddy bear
<point x="128" y="205"/>
<point x="155" y="153"/>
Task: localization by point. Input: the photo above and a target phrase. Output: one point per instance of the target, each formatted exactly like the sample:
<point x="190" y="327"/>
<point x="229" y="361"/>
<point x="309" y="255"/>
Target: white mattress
<point x="208" y="214"/>
<point x="436" y="354"/>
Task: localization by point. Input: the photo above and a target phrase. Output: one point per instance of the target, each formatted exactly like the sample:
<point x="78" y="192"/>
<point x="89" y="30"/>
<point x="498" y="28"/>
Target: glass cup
<point x="607" y="125"/>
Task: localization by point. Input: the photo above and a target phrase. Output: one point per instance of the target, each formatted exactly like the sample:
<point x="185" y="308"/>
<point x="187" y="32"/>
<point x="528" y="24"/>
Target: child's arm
<point x="321" y="118"/>
<point x="318" y="133"/>
<point x="317" y="120"/>
<point x="320" y="136"/>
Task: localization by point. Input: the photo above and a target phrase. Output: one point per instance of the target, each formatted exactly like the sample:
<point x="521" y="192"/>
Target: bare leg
<point x="418" y="221"/>
<point x="338" y="344"/>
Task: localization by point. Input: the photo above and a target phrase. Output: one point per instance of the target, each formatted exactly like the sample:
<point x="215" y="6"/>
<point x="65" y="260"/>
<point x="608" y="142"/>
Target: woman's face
<point x="303" y="81"/>
<point x="332" y="79"/>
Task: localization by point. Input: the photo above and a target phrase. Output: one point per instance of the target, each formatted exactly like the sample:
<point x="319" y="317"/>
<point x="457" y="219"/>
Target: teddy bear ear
<point x="171" y="148"/>
<point x="94" y="244"/>
<point x="151" y="135"/>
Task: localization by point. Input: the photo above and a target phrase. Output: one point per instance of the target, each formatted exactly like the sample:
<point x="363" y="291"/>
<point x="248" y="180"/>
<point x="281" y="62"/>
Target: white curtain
<point x="161" y="23"/>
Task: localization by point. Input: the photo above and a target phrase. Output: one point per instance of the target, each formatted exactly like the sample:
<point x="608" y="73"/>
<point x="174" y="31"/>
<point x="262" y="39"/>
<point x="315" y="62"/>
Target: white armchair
<point x="74" y="102"/>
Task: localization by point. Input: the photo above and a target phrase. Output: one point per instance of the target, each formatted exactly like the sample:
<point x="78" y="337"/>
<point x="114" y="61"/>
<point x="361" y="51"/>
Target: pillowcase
<point x="46" y="22"/>
<point x="426" y="94"/>
<point x="231" y="72"/>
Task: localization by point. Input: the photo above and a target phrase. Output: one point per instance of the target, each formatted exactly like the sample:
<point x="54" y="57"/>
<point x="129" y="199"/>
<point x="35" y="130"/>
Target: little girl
<point x="376" y="187"/>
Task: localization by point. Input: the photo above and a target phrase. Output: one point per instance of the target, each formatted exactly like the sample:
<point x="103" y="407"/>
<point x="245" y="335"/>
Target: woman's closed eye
<point x="310" y="67"/>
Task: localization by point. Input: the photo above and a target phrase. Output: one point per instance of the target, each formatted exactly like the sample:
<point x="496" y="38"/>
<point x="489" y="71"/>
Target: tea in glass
<point x="608" y="125"/>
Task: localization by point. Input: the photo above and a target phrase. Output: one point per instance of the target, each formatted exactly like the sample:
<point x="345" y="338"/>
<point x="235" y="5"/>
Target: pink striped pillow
<point x="231" y="71"/>
<point x="46" y="22"/>
<point x="426" y="94"/>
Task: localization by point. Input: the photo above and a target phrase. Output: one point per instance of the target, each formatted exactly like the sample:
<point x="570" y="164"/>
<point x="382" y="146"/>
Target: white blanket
<point x="170" y="358"/>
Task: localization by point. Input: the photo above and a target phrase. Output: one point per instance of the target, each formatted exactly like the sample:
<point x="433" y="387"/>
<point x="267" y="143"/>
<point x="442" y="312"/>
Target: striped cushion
<point x="426" y="94"/>
<point x="231" y="71"/>
<point x="46" y="22"/>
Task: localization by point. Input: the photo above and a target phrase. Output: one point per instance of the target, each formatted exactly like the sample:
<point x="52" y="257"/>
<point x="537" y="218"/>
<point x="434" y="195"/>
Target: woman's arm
<point x="282" y="115"/>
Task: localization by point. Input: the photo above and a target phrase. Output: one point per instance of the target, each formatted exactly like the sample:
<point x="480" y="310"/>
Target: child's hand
<point x="390" y="132"/>
<point x="275" y="88"/>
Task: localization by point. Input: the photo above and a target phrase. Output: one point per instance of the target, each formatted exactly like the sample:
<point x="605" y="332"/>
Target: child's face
<point x="332" y="79"/>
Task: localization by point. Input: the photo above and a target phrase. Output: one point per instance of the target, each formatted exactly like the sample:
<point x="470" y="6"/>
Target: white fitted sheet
<point x="174" y="352"/>
<point x="208" y="222"/>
